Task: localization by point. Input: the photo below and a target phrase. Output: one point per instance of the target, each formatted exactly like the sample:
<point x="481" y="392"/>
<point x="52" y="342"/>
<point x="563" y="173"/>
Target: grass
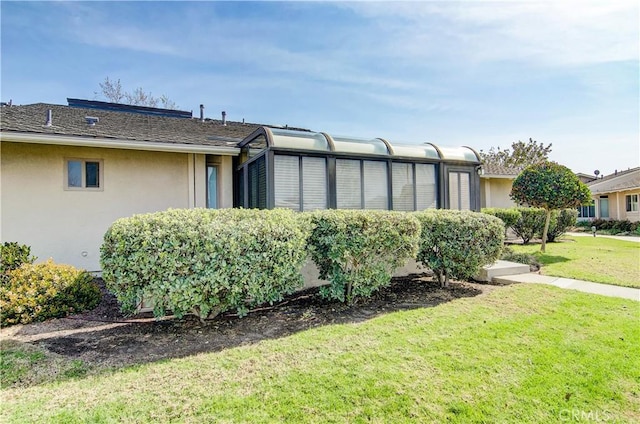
<point x="523" y="353"/>
<point x="25" y="364"/>
<point x="596" y="259"/>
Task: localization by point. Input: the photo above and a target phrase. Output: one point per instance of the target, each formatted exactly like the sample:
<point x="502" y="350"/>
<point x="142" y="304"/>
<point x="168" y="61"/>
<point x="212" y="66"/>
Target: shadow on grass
<point x="111" y="345"/>
<point x="546" y="259"/>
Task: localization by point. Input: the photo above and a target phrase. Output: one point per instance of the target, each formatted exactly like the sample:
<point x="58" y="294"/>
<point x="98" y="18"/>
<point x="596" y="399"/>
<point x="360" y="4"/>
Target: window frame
<point x="83" y="167"/>
<point x="630" y="203"/>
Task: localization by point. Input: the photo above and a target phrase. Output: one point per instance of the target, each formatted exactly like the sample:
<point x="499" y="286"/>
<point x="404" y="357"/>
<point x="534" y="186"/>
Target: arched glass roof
<point x="316" y="141"/>
<point x="303" y="140"/>
<point x="360" y="145"/>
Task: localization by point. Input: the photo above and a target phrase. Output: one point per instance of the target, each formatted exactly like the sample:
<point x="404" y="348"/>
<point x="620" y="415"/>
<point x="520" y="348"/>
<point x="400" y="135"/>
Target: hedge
<point x="46" y="290"/>
<point x="509" y="216"/>
<point x="530" y="224"/>
<point x="456" y="244"/>
<point x="561" y="222"/>
<point x="204" y="261"/>
<point x="357" y="251"/>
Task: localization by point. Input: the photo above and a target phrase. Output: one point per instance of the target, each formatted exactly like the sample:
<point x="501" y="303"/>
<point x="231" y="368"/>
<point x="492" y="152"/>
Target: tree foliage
<point x="550" y="186"/>
<point x="113" y="92"/>
<point x="519" y="156"/>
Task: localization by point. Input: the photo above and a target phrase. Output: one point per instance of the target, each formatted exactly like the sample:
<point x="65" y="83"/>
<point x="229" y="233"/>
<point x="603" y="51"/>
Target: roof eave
<point x="108" y="143"/>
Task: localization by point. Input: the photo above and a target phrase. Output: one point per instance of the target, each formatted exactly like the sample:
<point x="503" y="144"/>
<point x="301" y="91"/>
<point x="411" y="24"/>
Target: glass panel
<point x="355" y="145"/>
<point x="604" y="208"/>
<point x="286" y="177"/>
<point x="426" y="186"/>
<point x="300" y="140"/>
<point x="258" y="184"/>
<point x="256" y="146"/>
<point x="454" y="190"/>
<point x="74" y="173"/>
<point x="375" y="185"/>
<point x="465" y="192"/>
<point x="422" y="151"/>
<point x="348" y="184"/>
<point x="402" y="186"/>
<point x="212" y="187"/>
<point x="93" y="174"/>
<point x="458" y="153"/>
<point x="314" y="183"/>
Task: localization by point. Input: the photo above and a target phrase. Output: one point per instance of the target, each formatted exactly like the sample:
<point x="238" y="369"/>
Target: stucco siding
<point x="494" y="193"/>
<point x="68" y="226"/>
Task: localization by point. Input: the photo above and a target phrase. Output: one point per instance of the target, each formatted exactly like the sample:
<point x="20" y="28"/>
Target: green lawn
<point x="522" y="353"/>
<point x="597" y="259"/>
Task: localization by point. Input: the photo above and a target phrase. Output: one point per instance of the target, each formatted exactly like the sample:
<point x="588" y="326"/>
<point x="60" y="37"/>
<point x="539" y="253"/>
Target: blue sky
<point x="471" y="73"/>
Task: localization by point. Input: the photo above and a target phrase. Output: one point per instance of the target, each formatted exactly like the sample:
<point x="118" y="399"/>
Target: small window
<point x="632" y="202"/>
<point x="83" y="174"/>
<point x="212" y="186"/>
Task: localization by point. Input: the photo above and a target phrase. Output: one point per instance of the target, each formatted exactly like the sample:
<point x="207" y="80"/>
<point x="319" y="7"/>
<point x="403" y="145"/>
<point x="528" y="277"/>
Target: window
<point x="632" y="202"/>
<point x="287" y="182"/>
<point x="414" y="186"/>
<point x="587" y="211"/>
<point x="403" y="187"/>
<point x="83" y="174"/>
<point x="361" y="184"/>
<point x="258" y="184"/>
<point x="212" y="186"/>
<point x="348" y="184"/>
<point x="459" y="191"/>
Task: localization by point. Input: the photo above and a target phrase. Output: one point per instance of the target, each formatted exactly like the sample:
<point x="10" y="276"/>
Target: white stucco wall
<point x="68" y="226"/>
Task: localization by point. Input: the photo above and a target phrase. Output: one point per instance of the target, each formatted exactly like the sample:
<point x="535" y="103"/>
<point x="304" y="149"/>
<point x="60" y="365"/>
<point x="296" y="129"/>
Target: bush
<point x="613" y="225"/>
<point x="12" y="255"/>
<point x="509" y="216"/>
<point x="531" y="223"/>
<point x="561" y="222"/>
<point x="456" y="244"/>
<point x="204" y="261"/>
<point x="357" y="251"/>
<point x="47" y="290"/>
<point x="508" y="254"/>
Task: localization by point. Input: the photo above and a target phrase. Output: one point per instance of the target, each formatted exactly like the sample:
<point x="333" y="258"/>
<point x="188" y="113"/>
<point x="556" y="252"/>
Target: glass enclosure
<point x="304" y="170"/>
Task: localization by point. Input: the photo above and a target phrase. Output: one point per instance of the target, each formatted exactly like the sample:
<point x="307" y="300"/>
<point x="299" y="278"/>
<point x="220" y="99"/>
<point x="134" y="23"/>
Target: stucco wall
<point x="69" y="225"/>
<point x="494" y="193"/>
<point x="618" y="205"/>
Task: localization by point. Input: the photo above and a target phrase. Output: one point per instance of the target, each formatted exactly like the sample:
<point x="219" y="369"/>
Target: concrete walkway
<point x="568" y="283"/>
<point x="625" y="238"/>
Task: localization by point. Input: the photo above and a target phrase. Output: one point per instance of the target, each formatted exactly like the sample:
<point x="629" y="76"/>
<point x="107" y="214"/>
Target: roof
<point x="618" y="181"/>
<point x="67" y="121"/>
<point x="498" y="171"/>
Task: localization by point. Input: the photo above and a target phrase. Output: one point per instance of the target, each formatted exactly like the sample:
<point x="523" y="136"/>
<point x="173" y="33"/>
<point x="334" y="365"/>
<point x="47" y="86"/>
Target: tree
<point x="522" y="154"/>
<point x="550" y="186"/>
<point x="112" y="91"/>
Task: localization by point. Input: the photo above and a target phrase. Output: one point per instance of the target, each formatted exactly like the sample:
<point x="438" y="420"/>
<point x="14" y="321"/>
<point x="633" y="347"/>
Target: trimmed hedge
<point x="509" y="216"/>
<point x="12" y="256"/>
<point x="204" y="261"/>
<point x="46" y="290"/>
<point x="357" y="251"/>
<point x="530" y="224"/>
<point x="561" y="222"/>
<point x="456" y="244"/>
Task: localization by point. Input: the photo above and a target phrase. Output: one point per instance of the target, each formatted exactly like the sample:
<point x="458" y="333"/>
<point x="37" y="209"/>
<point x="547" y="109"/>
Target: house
<point x="67" y="172"/>
<point x="614" y="196"/>
<point x="495" y="185"/>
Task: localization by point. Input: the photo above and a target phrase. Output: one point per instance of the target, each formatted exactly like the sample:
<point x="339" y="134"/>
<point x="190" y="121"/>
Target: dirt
<point x="104" y="338"/>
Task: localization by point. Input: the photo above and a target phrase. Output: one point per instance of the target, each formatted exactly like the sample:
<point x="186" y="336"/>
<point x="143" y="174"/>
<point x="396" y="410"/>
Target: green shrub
<point x="456" y="244"/>
<point x="530" y="224"/>
<point x="357" y="251"/>
<point x="509" y="216"/>
<point x="12" y="255"/>
<point x="508" y="254"/>
<point x="614" y="226"/>
<point x="204" y="261"/>
<point x="561" y="222"/>
<point x="46" y="290"/>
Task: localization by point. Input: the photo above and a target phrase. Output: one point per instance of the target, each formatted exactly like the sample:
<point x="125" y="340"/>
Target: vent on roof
<point x="49" y="121"/>
<point x="91" y="120"/>
<point x="224" y="118"/>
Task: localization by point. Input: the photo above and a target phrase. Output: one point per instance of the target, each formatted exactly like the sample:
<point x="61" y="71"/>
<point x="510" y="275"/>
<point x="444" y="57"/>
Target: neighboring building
<point x="495" y="186"/>
<point x="615" y="196"/>
<point x="68" y="172"/>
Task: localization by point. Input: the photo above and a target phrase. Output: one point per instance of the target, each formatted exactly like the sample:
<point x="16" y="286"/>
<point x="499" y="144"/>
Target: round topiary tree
<point x="550" y="186"/>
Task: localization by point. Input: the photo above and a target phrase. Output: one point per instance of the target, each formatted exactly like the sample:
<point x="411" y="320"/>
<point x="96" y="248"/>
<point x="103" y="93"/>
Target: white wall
<point x="494" y="193"/>
<point x="68" y="226"/>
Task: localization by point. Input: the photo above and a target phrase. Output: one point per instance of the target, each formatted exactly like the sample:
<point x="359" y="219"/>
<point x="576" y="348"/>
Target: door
<point x="604" y="207"/>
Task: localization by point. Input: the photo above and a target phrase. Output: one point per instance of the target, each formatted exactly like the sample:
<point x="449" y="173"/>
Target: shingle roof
<point x="70" y="121"/>
<point x="619" y="181"/>
<point x="494" y="169"/>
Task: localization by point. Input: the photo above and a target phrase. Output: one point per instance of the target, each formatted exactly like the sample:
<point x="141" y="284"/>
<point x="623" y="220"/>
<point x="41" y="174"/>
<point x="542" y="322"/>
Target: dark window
<point x="83" y="174"/>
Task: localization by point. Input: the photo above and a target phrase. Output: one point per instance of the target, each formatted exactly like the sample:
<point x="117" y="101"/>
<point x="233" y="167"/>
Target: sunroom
<point x="304" y="170"/>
